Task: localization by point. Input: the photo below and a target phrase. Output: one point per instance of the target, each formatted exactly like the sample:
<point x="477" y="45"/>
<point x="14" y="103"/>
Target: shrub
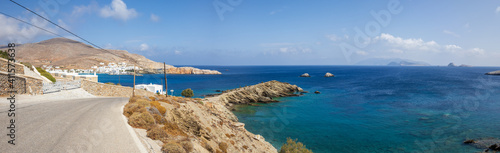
<point x="157" y="133"/>
<point x="204" y="144"/>
<point x="292" y="146"/>
<point x="173" y="130"/>
<point x="141" y="120"/>
<point x="158" y="106"/>
<point x="187" y="92"/>
<point x="188" y="146"/>
<point x="46" y="74"/>
<point x="172" y="148"/>
<point x="223" y="146"/>
<point x="4" y="54"/>
<point x="110" y="83"/>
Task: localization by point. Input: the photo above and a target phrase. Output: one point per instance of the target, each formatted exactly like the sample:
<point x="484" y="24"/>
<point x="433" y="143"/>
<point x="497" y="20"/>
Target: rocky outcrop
<point x="260" y="93"/>
<point x="328" y="74"/>
<point x="452" y="65"/>
<point x="305" y="75"/>
<point x="493" y="73"/>
<point x="196" y="125"/>
<point x="490" y="144"/>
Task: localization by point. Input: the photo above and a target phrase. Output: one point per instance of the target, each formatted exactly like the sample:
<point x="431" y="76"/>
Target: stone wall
<point x="4" y="66"/>
<point x="23" y="84"/>
<point x="101" y="89"/>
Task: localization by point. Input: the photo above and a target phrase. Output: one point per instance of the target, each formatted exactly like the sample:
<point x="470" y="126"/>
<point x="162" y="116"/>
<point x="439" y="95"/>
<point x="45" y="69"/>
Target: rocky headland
<point x="259" y="93"/>
<point x="203" y="125"/>
<point x="493" y="73"/>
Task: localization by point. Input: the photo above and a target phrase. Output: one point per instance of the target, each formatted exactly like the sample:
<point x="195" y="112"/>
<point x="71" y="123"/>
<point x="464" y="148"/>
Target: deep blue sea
<point x="362" y="108"/>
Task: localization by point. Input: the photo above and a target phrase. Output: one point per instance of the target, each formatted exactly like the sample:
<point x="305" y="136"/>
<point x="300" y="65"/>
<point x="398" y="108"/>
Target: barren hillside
<point x="72" y="54"/>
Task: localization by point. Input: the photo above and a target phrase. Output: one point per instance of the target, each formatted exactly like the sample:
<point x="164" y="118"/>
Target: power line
<point x="56" y="24"/>
<point x="31" y="24"/>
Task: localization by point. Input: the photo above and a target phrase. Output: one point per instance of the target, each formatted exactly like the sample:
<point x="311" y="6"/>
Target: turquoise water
<point x="361" y="109"/>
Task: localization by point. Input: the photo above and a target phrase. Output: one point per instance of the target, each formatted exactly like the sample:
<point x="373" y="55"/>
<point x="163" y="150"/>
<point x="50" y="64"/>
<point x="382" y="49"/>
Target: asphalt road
<point x="78" y="125"/>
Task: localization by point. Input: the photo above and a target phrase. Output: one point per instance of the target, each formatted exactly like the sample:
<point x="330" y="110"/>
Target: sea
<point x="362" y="108"/>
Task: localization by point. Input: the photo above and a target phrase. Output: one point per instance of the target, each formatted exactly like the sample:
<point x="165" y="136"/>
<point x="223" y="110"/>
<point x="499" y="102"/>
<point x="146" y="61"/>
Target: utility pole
<point x="133" y="90"/>
<point x="165" y="74"/>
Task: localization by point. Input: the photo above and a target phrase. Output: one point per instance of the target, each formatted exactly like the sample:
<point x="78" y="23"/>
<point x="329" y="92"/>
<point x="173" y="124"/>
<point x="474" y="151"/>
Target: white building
<point x="155" y="88"/>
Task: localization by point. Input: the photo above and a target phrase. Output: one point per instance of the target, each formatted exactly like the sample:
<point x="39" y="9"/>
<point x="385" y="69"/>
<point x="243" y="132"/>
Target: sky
<point x="270" y="32"/>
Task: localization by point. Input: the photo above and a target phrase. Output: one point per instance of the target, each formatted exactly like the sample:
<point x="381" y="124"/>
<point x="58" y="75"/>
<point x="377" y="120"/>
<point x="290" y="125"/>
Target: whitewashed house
<point x="155" y="88"/>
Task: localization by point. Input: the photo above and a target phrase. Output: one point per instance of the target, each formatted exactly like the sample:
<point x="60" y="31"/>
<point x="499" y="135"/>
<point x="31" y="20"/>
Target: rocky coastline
<point x="203" y="125"/>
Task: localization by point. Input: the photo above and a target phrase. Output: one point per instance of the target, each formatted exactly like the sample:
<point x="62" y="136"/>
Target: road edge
<point x="138" y="142"/>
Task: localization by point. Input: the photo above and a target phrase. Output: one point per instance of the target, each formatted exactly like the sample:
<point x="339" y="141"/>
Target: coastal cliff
<point x="204" y="125"/>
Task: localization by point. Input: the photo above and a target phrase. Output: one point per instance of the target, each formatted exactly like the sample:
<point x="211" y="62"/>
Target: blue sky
<point x="272" y="32"/>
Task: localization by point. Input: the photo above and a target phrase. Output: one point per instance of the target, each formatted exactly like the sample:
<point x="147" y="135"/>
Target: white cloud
<point x="154" y="18"/>
<point x="451" y="33"/>
<point x="477" y="51"/>
<point x="82" y="10"/>
<point x="452" y="47"/>
<point x="411" y="43"/>
<point x="118" y="10"/>
<point x="18" y="32"/>
<point x="333" y="37"/>
<point x="498" y="9"/>
<point x="276" y="44"/>
<point x="144" y="47"/>
<point x="176" y="52"/>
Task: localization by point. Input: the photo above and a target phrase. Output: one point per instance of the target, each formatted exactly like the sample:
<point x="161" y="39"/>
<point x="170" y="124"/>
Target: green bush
<point x="4" y="54"/>
<point x="187" y="92"/>
<point x="46" y="74"/>
<point x="292" y="146"/>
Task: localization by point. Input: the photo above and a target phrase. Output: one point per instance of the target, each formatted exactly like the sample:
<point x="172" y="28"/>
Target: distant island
<point x="67" y="54"/>
<point x="391" y="62"/>
<point x="453" y="65"/>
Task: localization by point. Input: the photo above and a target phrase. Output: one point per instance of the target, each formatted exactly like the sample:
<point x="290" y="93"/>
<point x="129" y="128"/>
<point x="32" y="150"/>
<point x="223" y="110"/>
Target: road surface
<point x="77" y="125"/>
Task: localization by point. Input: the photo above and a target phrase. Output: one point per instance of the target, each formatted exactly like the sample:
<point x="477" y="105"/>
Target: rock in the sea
<point x="469" y="141"/>
<point x="317" y="92"/>
<point x="262" y="92"/>
<point x="305" y="75"/>
<point x="218" y="91"/>
<point x="493" y="73"/>
<point x="452" y="65"/>
<point x="484" y="143"/>
<point x="328" y="74"/>
<point x="494" y="147"/>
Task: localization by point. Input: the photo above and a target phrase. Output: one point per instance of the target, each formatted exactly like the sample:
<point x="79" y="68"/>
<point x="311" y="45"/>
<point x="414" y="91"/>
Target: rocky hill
<point x="72" y="54"/>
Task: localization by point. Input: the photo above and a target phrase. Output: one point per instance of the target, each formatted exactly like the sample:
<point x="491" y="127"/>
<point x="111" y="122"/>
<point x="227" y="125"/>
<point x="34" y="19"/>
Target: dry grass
<point x="223" y="146"/>
<point x="245" y="147"/>
<point x="157" y="133"/>
<point x="232" y="142"/>
<point x="172" y="147"/>
<point x="158" y="106"/>
<point x="188" y="146"/>
<point x="141" y="120"/>
<point x="218" y="151"/>
<point x="204" y="144"/>
<point x="173" y="130"/>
